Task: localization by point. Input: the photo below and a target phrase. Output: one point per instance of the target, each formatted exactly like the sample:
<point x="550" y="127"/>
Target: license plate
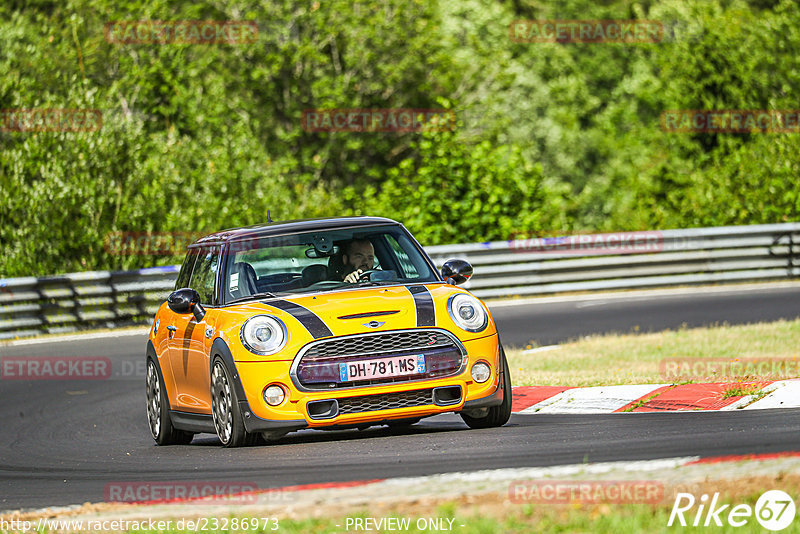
<point x="382" y="368"/>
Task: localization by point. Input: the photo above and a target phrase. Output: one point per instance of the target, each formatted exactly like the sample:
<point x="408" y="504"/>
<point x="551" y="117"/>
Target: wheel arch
<point x="252" y="423"/>
<point x="220" y="349"/>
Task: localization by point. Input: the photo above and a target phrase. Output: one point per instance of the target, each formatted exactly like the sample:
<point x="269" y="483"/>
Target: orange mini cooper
<point x="326" y="323"/>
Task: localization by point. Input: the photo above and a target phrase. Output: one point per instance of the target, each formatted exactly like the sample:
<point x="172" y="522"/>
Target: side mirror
<point x="456" y="271"/>
<point x="186" y="300"/>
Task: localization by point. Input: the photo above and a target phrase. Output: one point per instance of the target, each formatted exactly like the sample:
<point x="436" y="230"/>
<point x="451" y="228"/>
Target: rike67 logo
<point x="774" y="510"/>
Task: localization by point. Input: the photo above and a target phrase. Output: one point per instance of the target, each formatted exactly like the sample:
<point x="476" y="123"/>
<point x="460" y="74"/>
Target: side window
<point x="409" y="270"/>
<point x="205" y="273"/>
<point x="186" y="269"/>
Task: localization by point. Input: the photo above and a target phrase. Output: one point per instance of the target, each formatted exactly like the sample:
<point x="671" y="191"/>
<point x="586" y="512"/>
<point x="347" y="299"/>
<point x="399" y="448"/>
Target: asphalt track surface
<point x="65" y="441"/>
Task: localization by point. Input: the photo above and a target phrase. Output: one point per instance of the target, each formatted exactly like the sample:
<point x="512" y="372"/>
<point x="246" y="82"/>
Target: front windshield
<point x="322" y="261"/>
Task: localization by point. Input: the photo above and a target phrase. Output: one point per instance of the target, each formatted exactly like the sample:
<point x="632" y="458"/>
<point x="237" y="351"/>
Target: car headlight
<point x="467" y="312"/>
<point x="264" y="334"/>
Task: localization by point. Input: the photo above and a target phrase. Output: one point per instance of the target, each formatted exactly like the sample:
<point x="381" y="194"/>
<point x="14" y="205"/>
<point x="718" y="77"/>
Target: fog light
<point x="481" y="372"/>
<point x="274" y="395"/>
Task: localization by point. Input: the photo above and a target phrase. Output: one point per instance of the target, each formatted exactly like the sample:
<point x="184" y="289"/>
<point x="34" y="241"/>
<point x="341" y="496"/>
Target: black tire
<point x="225" y="411"/>
<point x="496" y="415"/>
<point x="158" y="410"/>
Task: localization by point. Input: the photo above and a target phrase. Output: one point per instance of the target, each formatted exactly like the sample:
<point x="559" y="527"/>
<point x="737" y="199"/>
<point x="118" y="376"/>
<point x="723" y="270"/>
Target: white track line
<point x="541" y="349"/>
<point x="77" y="337"/>
<point x="781" y="394"/>
<point x="548" y="472"/>
<point x="598" y="399"/>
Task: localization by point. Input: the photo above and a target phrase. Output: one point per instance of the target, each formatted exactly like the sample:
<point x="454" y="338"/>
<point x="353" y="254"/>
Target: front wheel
<point x="158" y="411"/>
<point x="494" y="415"/>
<point x="225" y="410"/>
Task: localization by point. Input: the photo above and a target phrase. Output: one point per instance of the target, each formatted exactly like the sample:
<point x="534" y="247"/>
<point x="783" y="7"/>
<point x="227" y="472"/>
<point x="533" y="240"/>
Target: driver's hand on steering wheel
<point x="352" y="278"/>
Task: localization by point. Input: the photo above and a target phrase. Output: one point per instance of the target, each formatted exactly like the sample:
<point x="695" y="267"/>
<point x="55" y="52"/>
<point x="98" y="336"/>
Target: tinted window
<point x="204" y="274"/>
<point x="408" y="268"/>
<point x="186" y="269"/>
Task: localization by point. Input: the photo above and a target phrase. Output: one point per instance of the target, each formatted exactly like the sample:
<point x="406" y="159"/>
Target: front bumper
<point x="369" y="404"/>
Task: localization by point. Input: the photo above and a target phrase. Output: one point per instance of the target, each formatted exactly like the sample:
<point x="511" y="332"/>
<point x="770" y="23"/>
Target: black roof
<point x="290" y="227"/>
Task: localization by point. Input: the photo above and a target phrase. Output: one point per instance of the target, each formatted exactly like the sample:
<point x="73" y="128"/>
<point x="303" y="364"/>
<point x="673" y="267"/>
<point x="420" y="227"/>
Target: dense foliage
<point x="551" y="137"/>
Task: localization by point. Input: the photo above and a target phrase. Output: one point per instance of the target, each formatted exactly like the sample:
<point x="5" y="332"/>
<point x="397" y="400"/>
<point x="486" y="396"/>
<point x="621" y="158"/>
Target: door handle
<point x="172" y="330"/>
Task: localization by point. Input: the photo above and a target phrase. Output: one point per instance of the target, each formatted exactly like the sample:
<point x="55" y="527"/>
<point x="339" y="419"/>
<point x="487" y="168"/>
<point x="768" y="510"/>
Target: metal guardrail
<point x="666" y="258"/>
<point x="54" y="304"/>
<point x="65" y="303"/>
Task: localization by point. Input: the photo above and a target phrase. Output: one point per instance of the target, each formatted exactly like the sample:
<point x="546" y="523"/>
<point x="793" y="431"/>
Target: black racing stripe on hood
<point x="315" y="326"/>
<point x="423" y="300"/>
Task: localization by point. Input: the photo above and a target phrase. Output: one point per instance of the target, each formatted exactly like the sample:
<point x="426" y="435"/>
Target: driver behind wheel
<point x="358" y="256"/>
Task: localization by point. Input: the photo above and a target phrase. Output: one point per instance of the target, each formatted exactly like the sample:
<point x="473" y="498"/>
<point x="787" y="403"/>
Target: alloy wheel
<point x="153" y="399"/>
<point x="221" y="405"/>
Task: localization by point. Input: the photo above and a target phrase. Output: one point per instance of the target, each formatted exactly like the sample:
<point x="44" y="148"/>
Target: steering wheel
<point x="323" y="284"/>
<point x="365" y="275"/>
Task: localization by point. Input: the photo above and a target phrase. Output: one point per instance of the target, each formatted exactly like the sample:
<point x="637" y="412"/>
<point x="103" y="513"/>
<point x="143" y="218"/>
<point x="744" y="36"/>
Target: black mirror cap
<point x="183" y="300"/>
<point x="456" y="271"/>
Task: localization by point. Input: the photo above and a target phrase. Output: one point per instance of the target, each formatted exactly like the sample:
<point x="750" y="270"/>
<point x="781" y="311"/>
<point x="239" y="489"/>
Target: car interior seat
<point x="314" y="273"/>
<point x="247" y="280"/>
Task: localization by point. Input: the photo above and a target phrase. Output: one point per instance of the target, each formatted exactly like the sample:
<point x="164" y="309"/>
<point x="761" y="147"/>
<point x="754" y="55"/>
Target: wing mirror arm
<point x="198" y="311"/>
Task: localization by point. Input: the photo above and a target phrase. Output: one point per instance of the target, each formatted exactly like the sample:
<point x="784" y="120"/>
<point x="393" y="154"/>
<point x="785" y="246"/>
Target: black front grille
<point x="318" y="366"/>
<point x="386" y="401"/>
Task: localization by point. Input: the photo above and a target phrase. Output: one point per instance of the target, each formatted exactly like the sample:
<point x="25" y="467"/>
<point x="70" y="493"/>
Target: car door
<point x="166" y="328"/>
<point x="189" y="347"/>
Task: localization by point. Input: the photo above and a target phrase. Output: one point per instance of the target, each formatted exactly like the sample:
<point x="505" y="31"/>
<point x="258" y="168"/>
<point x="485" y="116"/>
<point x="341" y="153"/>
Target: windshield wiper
<point x="253" y="297"/>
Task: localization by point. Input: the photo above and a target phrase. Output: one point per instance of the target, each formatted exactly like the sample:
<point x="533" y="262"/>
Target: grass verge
<point x="496" y="513"/>
<point x="635" y="358"/>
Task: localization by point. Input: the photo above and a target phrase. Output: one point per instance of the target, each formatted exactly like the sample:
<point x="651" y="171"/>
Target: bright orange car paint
<point x="185" y="396"/>
<point x="258" y="372"/>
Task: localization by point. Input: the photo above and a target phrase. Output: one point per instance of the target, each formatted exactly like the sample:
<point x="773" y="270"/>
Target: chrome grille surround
<point x="378" y="345"/>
